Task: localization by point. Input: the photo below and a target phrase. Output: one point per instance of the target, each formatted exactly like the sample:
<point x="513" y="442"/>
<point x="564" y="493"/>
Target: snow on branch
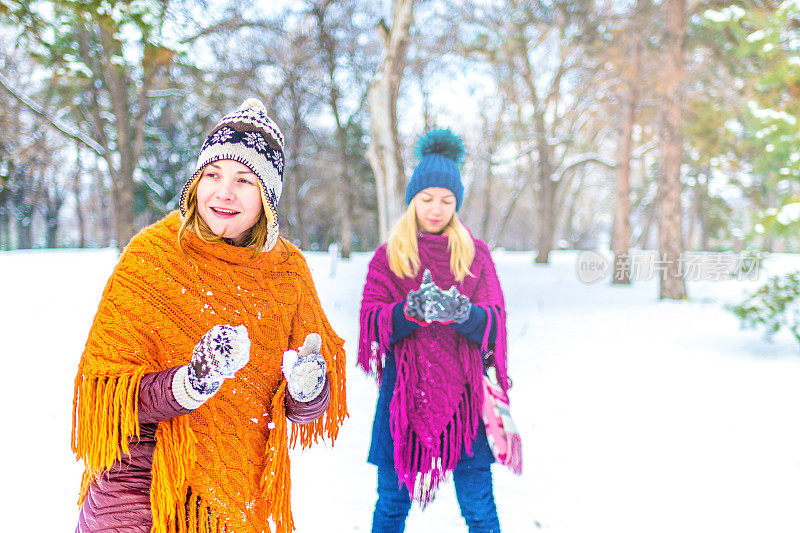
<point x="163" y="93"/>
<point x="582" y="160"/>
<point x="152" y="185"/>
<point x="232" y="25"/>
<point x="38" y="110"/>
<point x="524" y="151"/>
<point x="643" y="149"/>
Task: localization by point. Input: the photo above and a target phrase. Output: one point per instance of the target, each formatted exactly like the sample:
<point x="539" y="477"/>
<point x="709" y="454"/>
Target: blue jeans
<point x="473" y="492"/>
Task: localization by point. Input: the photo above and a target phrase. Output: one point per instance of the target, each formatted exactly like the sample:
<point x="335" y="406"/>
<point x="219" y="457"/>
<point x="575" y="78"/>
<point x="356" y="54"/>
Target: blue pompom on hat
<point x="440" y="152"/>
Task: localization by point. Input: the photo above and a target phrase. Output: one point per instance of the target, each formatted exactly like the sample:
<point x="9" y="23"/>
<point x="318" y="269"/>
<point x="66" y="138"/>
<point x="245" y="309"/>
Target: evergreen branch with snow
<point x="774" y="306"/>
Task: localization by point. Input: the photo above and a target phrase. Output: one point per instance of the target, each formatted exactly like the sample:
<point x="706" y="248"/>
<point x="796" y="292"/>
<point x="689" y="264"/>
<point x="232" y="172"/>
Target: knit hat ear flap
<point x="273" y="232"/>
<point x="249" y="136"/>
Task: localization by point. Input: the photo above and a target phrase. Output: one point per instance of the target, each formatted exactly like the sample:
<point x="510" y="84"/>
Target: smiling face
<point x="435" y="207"/>
<point x="229" y="199"/>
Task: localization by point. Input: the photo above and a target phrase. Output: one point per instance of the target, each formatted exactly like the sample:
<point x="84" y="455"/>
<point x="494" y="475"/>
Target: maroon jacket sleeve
<point x="305" y="412"/>
<point x="156" y="401"/>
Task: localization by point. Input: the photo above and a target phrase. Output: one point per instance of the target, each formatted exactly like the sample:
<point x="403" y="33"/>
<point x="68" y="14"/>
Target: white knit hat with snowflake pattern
<point x="249" y="136"/>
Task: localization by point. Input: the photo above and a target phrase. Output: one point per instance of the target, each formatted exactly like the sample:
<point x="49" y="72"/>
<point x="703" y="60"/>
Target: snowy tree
<point x="751" y="102"/>
<point x="111" y="53"/>
<point x="384" y="151"/>
<point x="670" y="221"/>
<point x="543" y="48"/>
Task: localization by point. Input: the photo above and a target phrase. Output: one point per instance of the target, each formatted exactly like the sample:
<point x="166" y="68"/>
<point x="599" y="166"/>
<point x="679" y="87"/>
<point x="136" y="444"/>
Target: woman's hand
<point x="221" y="352"/>
<point x="430" y="303"/>
<point x="447" y="306"/>
<point x="416" y="300"/>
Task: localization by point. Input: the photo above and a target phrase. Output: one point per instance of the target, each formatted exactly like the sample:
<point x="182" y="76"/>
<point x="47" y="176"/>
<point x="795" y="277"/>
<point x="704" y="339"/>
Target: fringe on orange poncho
<point x="230" y="456"/>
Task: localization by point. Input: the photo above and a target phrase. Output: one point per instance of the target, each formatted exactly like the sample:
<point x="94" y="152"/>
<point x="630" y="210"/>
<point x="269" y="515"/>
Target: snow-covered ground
<point x="636" y="415"/>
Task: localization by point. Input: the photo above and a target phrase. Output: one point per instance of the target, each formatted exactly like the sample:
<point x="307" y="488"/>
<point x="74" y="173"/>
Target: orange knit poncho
<point x="231" y="454"/>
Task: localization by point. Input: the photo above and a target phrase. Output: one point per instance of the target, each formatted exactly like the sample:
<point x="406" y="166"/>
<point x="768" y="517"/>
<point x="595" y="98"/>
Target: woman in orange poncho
<point x="190" y="370"/>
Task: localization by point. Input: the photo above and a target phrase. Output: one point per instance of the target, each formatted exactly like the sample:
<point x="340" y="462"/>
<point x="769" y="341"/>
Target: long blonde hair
<point x="402" y="249"/>
<point x="255" y="239"/>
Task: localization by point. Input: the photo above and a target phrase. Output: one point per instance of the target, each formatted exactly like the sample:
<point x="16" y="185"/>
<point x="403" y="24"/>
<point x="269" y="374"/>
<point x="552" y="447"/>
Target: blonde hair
<point x="402" y="249"/>
<point x="254" y="239"/>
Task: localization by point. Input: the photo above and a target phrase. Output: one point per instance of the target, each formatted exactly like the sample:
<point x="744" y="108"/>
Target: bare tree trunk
<point x="26" y="189"/>
<point x="568" y="230"/>
<point x="670" y="240"/>
<point x="25" y="205"/>
<point x="497" y="134"/>
<point x="621" y="239"/>
<point x="546" y="216"/>
<point x="128" y="160"/>
<point x="103" y="221"/>
<point x="487" y="203"/>
<point x="426" y="100"/>
<point x="512" y="202"/>
<point x="128" y="127"/>
<point x="76" y="191"/>
<point x="701" y="214"/>
<point x="520" y="184"/>
<point x="328" y="46"/>
<point x="768" y="243"/>
<point x="704" y="230"/>
<point x="52" y="235"/>
<point x="25" y="231"/>
<point x="293" y="180"/>
<point x="648" y="216"/>
<point x="545" y="187"/>
<point x="384" y="150"/>
<point x="123" y="210"/>
<point x="694" y="217"/>
<point x="5" y="235"/>
<point x="53" y="197"/>
<point x="346" y="228"/>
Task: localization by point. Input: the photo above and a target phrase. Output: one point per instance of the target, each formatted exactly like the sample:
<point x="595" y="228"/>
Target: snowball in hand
<point x="305" y="371"/>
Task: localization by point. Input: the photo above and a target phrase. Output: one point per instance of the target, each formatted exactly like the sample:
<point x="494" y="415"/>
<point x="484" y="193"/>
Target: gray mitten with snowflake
<point x="305" y="369"/>
<point x="447" y="306"/>
<point x="416" y="300"/>
<point x="221" y="352"/>
<point x="430" y="303"/>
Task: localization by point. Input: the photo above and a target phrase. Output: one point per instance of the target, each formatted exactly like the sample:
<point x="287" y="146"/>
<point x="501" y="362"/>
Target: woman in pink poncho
<point x="432" y="315"/>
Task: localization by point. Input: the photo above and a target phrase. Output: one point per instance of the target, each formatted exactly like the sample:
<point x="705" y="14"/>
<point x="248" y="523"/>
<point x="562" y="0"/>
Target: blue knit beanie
<point x="440" y="152"/>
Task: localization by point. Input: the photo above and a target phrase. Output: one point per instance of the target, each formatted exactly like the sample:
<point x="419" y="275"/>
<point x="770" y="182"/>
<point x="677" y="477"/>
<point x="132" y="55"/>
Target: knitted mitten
<point x="430" y="303"/>
<point x="446" y="306"/>
<point x="305" y="369"/>
<point x="417" y="300"/>
<point x="223" y="351"/>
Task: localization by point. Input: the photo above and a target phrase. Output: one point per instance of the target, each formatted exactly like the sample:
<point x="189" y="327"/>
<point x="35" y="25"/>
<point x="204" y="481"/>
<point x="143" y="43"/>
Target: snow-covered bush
<point x="748" y="264"/>
<point x="773" y="306"/>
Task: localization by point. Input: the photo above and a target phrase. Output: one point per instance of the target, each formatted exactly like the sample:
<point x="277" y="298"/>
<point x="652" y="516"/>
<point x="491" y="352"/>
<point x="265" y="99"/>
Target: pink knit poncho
<point x="437" y="399"/>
